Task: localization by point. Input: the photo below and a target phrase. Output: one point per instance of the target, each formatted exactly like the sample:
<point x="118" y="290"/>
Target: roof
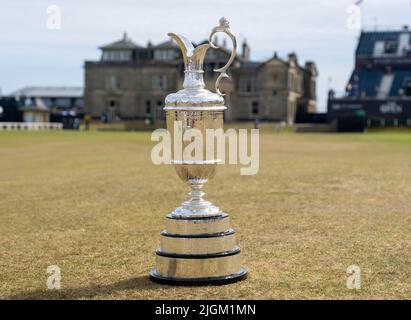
<point x="276" y="58"/>
<point x="251" y="65"/>
<point x="369" y="38"/>
<point x="166" y="45"/>
<point x="50" y="92"/>
<point x="124" y="43"/>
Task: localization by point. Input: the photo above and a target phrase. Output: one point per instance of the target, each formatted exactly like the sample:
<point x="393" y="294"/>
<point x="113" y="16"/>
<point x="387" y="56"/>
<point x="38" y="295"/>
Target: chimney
<point x="292" y="57"/>
<point x="245" y="54"/>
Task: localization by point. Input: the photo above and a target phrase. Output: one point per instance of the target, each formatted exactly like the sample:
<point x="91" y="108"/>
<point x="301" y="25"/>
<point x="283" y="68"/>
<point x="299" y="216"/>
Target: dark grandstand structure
<point x="378" y="92"/>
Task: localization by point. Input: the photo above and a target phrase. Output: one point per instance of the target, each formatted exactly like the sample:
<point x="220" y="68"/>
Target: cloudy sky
<point x="32" y="54"/>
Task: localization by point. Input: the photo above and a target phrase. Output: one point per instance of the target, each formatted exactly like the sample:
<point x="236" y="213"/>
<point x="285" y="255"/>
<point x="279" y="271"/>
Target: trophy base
<point x="198" y="251"/>
<point x="216" y="281"/>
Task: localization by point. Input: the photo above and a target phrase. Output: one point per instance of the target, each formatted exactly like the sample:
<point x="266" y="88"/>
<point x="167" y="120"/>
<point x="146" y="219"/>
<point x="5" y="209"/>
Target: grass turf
<point x="94" y="204"/>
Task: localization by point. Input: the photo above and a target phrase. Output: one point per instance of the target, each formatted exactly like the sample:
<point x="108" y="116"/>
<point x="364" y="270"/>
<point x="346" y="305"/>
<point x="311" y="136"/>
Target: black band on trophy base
<point x="222" y="215"/>
<point x="199" y="281"/>
<point x="229" y="232"/>
<point x="231" y="252"/>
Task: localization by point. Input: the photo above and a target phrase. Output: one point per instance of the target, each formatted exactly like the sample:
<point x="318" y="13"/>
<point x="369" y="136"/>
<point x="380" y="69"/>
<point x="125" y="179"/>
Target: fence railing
<point x="30" y="126"/>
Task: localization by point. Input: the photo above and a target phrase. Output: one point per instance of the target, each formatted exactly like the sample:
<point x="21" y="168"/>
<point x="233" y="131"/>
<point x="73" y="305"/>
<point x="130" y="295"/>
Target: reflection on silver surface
<point x="188" y="245"/>
<point x="197" y="268"/>
<point x="194" y="226"/>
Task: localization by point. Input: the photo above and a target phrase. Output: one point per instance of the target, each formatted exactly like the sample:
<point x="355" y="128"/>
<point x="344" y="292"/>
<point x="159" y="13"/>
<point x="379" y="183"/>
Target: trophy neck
<point x="196" y="207"/>
<point x="193" y="79"/>
<point x="193" y="61"/>
<point x="193" y="73"/>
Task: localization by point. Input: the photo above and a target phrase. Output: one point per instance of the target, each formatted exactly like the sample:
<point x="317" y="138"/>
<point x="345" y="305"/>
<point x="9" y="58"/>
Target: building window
<point x="294" y="82"/>
<point x="117" y="55"/>
<point x="79" y="102"/>
<point x="63" y="103"/>
<point x="48" y="102"/>
<point x="313" y="89"/>
<point x="148" y="107"/>
<point x="255" y="108"/>
<point x="164" y="54"/>
<point x="111" y="83"/>
<point x="391" y="47"/>
<point x="407" y="87"/>
<point x="159" y="82"/>
<point x="159" y="110"/>
<point x="246" y="85"/>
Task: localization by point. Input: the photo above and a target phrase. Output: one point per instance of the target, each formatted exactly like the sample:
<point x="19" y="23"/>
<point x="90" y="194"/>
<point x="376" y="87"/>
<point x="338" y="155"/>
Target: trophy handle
<point x="223" y="27"/>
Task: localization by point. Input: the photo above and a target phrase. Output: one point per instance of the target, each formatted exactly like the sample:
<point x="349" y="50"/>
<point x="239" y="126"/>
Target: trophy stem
<point x="196" y="192"/>
<point x="196" y="207"/>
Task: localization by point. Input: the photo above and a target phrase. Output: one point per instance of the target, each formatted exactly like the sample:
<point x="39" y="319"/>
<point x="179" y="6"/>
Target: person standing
<point x="87" y="120"/>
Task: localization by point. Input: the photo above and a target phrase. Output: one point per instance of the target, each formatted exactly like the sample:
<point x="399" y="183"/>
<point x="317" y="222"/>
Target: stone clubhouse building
<point x="131" y="82"/>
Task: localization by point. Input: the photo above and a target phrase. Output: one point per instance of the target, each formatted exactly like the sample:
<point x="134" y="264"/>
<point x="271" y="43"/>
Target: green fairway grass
<point x="93" y="204"/>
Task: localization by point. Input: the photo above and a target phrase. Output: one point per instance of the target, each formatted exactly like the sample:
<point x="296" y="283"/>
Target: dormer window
<point x="390" y="47"/>
<point x="169" y="54"/>
<point x="121" y="50"/>
<point x="166" y="51"/>
<point x="117" y="55"/>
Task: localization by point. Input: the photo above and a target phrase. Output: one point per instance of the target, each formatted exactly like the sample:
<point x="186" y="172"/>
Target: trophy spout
<point x="193" y="61"/>
<point x="184" y="44"/>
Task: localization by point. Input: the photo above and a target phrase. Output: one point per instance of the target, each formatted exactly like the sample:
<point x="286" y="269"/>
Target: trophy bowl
<point x="204" y="166"/>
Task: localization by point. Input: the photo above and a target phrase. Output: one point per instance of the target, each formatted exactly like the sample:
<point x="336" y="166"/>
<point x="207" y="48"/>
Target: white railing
<point x="30" y="126"/>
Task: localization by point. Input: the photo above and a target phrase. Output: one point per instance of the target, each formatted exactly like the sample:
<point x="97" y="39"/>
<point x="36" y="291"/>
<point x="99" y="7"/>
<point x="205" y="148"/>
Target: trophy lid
<point x="194" y="95"/>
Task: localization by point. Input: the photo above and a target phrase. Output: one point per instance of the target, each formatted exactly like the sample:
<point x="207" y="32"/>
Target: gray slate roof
<point x="166" y="45"/>
<point x="124" y="43"/>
